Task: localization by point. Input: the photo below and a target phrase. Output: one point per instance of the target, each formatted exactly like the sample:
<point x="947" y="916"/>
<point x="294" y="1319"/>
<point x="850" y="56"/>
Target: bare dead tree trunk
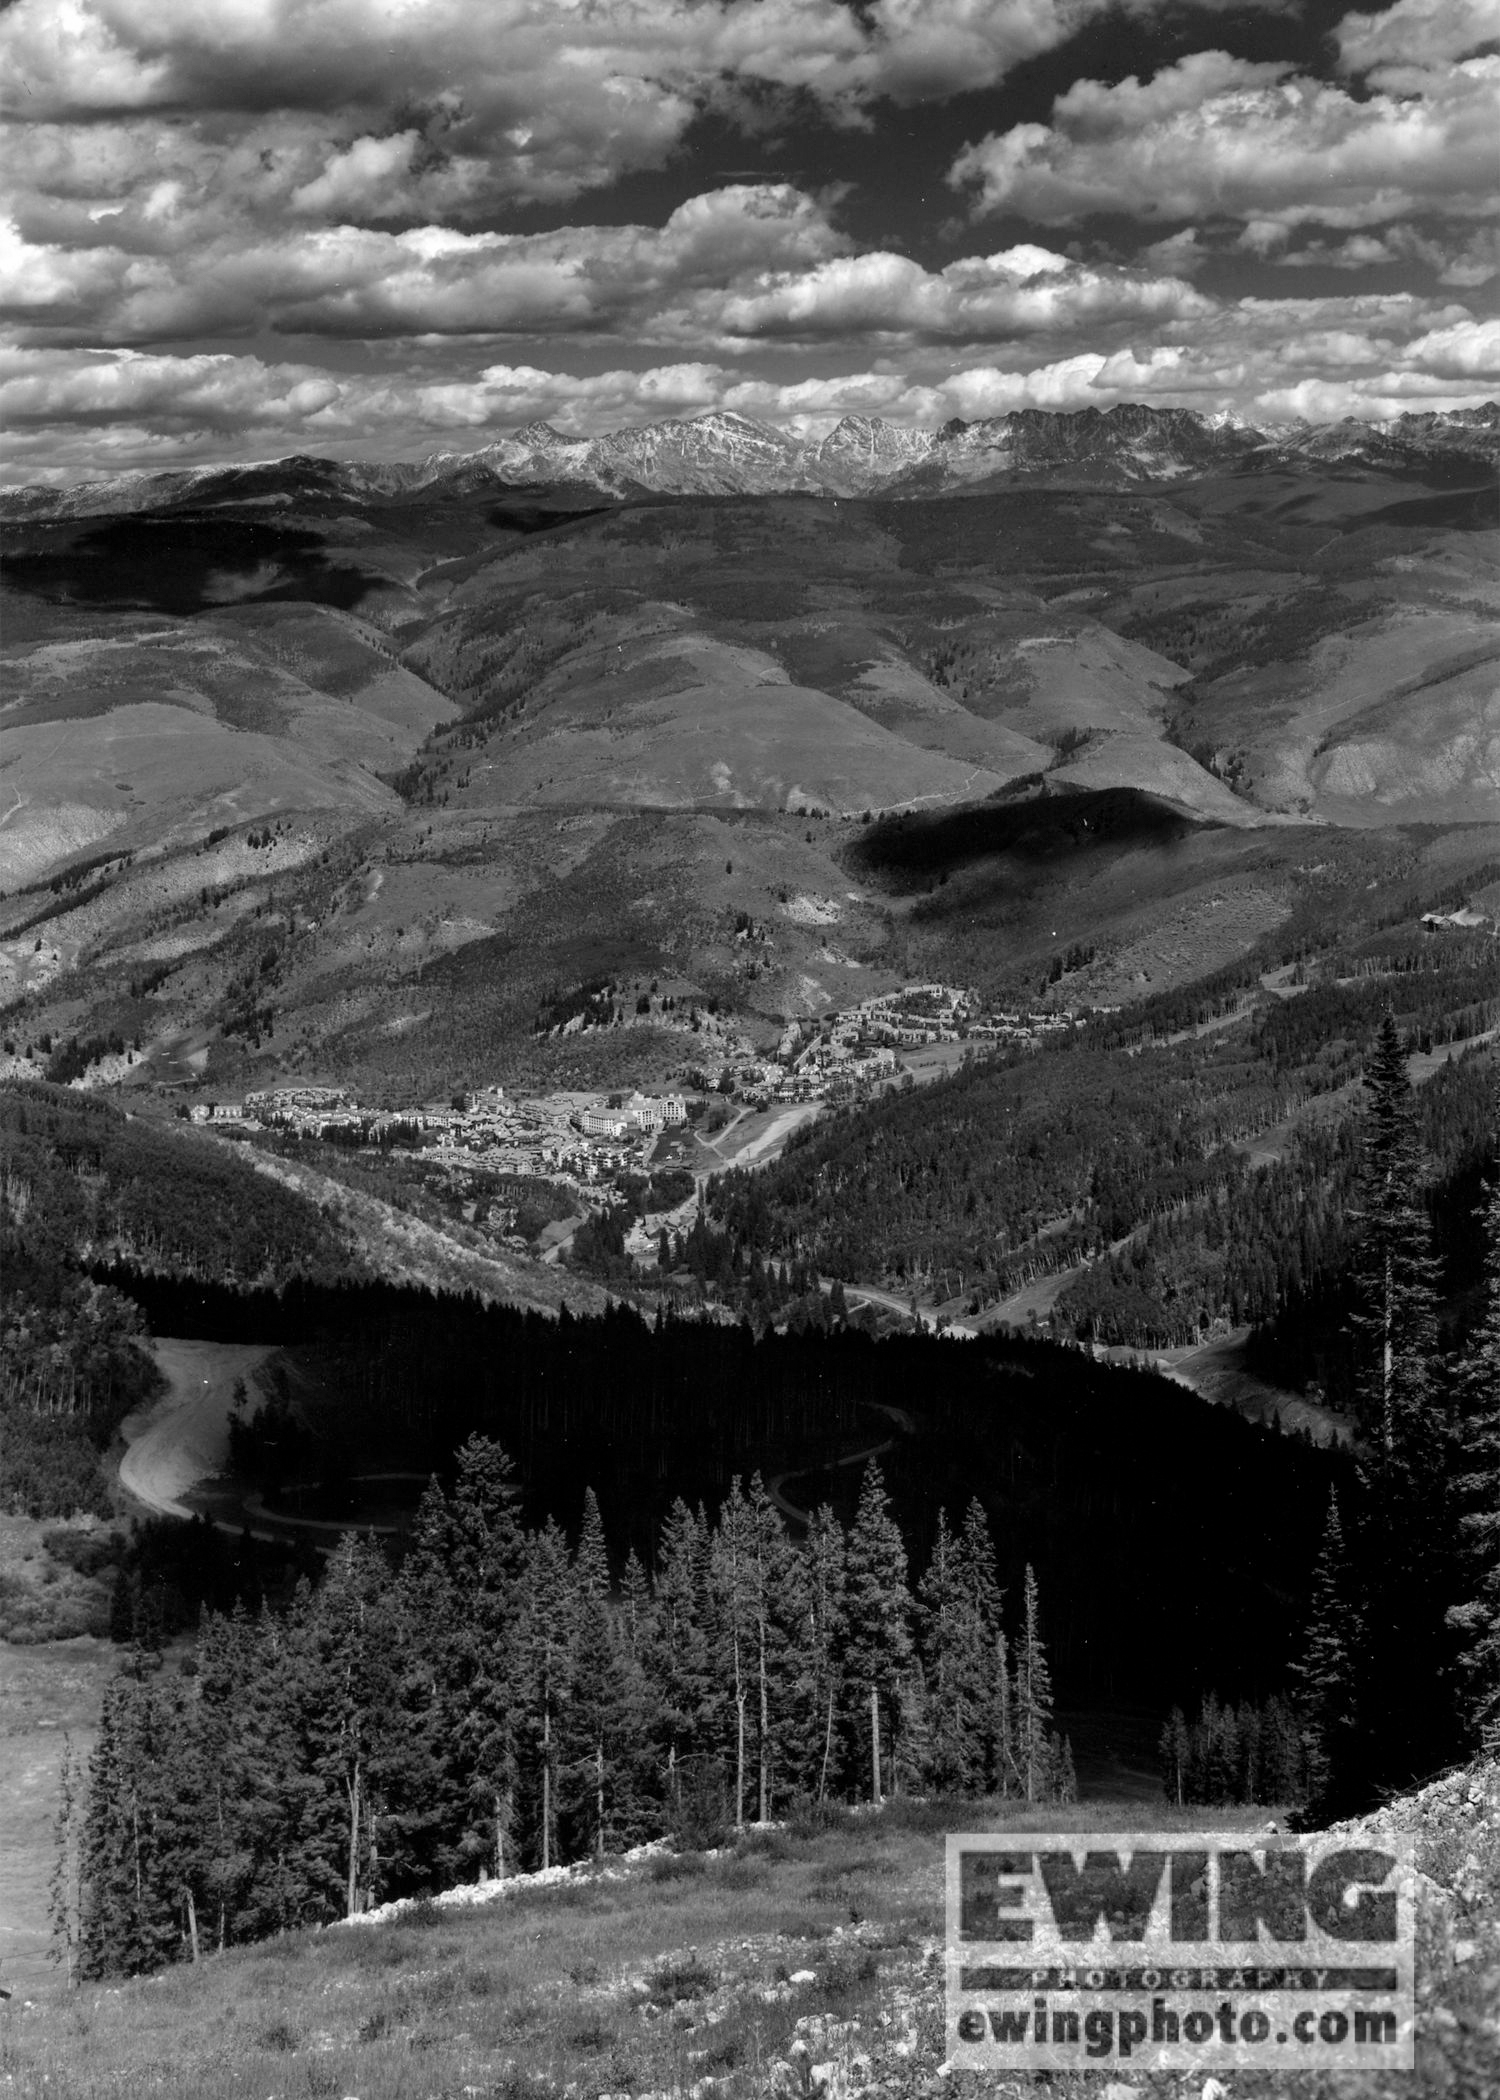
<point x="739" y="1750"/>
<point x="192" y="1918"/>
<point x="546" y="1781"/>
<point x="875" y="1794"/>
<point x="351" y="1896"/>
<point x="599" y="1799"/>
<point x="763" y="1804"/>
<point x="827" y="1748"/>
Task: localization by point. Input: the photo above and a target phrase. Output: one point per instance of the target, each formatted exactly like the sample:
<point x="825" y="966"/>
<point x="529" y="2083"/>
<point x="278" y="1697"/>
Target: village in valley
<point x="736" y="1112"/>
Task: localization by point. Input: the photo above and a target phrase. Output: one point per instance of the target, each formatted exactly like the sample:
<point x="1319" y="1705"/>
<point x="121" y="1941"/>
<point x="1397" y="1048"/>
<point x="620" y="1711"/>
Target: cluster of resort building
<point x="853" y="1051"/>
<point x="578" y="1136"/>
<point x="588" y="1138"/>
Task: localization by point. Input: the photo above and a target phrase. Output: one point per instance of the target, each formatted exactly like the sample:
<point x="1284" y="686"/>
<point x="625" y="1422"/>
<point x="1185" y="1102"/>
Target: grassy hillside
<point x="793" y="1961"/>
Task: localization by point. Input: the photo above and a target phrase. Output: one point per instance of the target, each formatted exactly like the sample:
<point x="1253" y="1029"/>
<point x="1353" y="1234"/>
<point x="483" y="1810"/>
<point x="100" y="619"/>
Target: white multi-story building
<point x="655" y="1111"/>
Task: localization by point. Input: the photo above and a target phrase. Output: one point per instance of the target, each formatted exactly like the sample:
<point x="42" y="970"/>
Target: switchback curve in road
<point x="794" y="1511"/>
<point x="183" y="1437"/>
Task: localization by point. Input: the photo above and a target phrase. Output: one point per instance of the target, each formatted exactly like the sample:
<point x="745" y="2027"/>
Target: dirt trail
<point x="184" y="1437"/>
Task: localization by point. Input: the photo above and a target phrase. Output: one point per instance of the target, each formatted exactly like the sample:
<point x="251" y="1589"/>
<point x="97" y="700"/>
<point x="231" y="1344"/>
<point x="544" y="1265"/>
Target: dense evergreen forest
<point x="1172" y="1168"/>
<point x="508" y="1701"/>
<point x="96" y="1184"/>
<point x="83" y="1185"/>
<point x="1133" y="1501"/>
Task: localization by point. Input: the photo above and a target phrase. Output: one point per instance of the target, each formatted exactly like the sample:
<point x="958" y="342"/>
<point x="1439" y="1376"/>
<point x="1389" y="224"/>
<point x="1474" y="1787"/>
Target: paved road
<point x="183" y="1437"/>
<point x="868" y="1294"/>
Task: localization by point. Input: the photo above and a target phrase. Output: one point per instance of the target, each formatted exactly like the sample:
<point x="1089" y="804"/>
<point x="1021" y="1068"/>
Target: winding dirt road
<point x="183" y="1437"/>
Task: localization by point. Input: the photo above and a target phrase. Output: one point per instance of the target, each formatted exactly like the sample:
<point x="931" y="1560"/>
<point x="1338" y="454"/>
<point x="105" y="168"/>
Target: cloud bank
<point x="303" y="185"/>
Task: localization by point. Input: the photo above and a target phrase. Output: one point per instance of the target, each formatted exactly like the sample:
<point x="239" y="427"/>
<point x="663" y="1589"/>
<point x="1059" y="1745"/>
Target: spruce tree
<point x="545" y="1680"/>
<point x="1402" y="1536"/>
<point x="64" y="1885"/>
<point x="911" y="1733"/>
<point x="951" y="1733"/>
<point x="734" y="1590"/>
<point x="821" y="1658"/>
<point x="679" y="1661"/>
<point x="345" y="1664"/>
<point x="139" y="1850"/>
<point x="1476" y="1616"/>
<point x="962" y="1646"/>
<point x="1325" y="1674"/>
<point x="460" y="1582"/>
<point x="983" y="1666"/>
<point x="776" y="1604"/>
<point x="1036" y="1748"/>
<point x="604" y="1761"/>
<point x="878" y="1647"/>
<point x="1174" y="1746"/>
<point x="1283" y="1767"/>
<point x="239" y="1808"/>
<point x="1394" y="1320"/>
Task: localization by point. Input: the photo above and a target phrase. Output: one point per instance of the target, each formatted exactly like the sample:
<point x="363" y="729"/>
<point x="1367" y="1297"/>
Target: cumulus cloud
<point x="1424" y="33"/>
<point x="434" y="279"/>
<point x="1219" y="137"/>
<point x="351" y="168"/>
<point x="536" y="98"/>
<point x="1463" y="261"/>
<point x="1020" y="291"/>
<point x="68" y="411"/>
<point x="750" y="261"/>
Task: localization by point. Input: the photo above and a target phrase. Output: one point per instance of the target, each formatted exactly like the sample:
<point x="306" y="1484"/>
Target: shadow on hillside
<point x="907" y="850"/>
<point x="182" y="565"/>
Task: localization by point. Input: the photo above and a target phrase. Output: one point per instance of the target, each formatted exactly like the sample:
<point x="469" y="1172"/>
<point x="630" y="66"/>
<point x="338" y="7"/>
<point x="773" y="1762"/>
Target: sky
<point x="235" y="229"/>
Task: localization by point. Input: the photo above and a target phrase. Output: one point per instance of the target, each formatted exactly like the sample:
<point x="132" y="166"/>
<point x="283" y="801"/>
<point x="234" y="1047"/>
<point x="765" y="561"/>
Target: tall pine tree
<point x="1402" y="1535"/>
<point x="878" y="1647"/>
<point x="1476" y="1616"/>
<point x="1395" y="1273"/>
<point x="461" y="1583"/>
<point x="1324" y="1674"/>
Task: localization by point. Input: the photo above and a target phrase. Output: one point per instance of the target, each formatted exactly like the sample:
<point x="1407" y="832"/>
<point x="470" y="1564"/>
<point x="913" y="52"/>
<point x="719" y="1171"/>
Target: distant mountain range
<point x="722" y="454"/>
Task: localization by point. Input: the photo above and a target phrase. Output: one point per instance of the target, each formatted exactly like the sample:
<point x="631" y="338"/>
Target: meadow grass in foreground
<point x="683" y="1973"/>
<point x="802" y="1963"/>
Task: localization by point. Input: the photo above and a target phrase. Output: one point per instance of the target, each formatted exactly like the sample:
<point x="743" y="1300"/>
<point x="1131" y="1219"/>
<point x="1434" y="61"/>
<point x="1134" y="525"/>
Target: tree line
<point x="509" y="1698"/>
<point x="1397" y="1671"/>
<point x="1231" y="1754"/>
